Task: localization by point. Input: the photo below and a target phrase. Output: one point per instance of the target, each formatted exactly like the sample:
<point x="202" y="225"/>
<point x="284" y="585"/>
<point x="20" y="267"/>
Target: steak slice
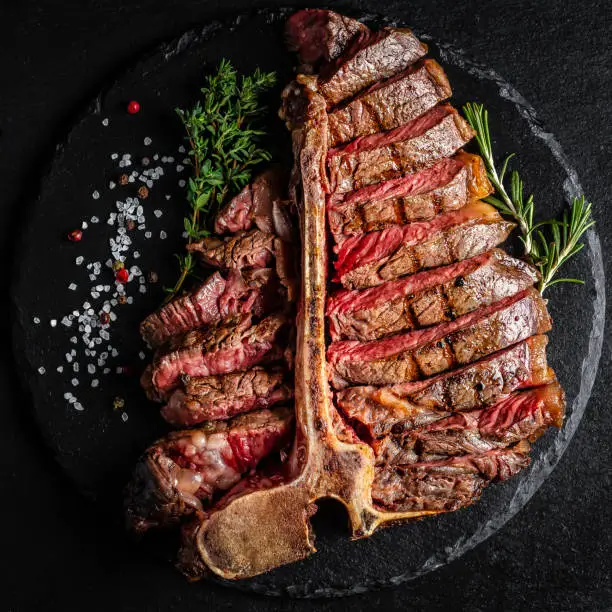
<point x="368" y="160"/>
<point x="447" y="185"/>
<point x="183" y="471"/>
<point x="379" y="411"/>
<point x="391" y="103"/>
<point x="367" y="59"/>
<point x="524" y="415"/>
<point x="252" y="249"/>
<point x="213" y="398"/>
<point x="369" y="260"/>
<point x="427" y="298"/>
<point x="319" y="35"/>
<point x="426" y="352"/>
<point x="231" y="346"/>
<point x="262" y="204"/>
<point x="219" y="297"/>
<point x="447" y="484"/>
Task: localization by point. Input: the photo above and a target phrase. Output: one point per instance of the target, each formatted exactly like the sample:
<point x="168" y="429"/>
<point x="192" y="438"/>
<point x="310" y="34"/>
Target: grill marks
<point x="427" y="298"/>
<point x="389" y="104"/>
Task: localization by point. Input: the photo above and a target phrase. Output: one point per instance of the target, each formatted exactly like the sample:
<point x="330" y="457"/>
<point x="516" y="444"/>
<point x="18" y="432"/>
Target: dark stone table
<point x="59" y="552"/>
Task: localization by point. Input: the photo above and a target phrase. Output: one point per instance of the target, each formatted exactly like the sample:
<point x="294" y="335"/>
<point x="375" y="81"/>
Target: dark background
<point x="59" y="554"/>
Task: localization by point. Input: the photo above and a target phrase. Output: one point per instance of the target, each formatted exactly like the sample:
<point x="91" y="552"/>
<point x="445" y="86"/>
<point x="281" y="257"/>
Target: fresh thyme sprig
<point x="223" y="149"/>
<point x="547" y="253"/>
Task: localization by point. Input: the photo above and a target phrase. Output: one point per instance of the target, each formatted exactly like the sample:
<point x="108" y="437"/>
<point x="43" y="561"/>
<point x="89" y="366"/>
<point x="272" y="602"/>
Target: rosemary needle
<point x="548" y="253"/>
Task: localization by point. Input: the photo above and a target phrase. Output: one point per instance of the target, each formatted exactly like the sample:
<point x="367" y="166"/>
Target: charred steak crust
<point x="213" y="398"/>
<point x="417" y="355"/>
<point x="378" y="411"/>
<point x="391" y="103"/>
<point x="368" y="160"/>
<point x="371" y="259"/>
<point x="446" y="186"/>
<point x="367" y="60"/>
<point x="427" y="298"/>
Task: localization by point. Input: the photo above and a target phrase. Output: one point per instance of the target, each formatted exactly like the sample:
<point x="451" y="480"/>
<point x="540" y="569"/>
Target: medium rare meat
<point x="261" y="204"/>
<point x="427" y="298"/>
<point x="219" y="297"/>
<point x="182" y="472"/>
<point x="447" y="484"/>
<point x="252" y="249"/>
<point x="379" y="411"/>
<point x="319" y="35"/>
<point x="232" y="345"/>
<point x="213" y="398"/>
<point x="369" y="260"/>
<point x="369" y="58"/>
<point x="368" y="160"/>
<point x="524" y="415"/>
<point x="447" y="185"/>
<point x="419" y="354"/>
<point x="390" y="103"/>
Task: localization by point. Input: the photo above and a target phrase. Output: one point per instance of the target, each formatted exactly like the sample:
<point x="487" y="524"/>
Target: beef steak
<point x="426" y="352"/>
<point x="213" y="398"/>
<point x="390" y="103"/>
<point x="366" y="60"/>
<point x="181" y="472"/>
<point x="378" y="411"/>
<point x="368" y="160"/>
<point x="369" y="260"/>
<point x="447" y="185"/>
<point x="427" y="298"/>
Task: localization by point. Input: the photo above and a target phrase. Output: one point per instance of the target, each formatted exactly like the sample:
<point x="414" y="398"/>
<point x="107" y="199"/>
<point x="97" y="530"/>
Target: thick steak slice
<point x="260" y="204"/>
<point x="447" y="484"/>
<point x="319" y="35"/>
<point x="524" y="415"/>
<point x="379" y="411"/>
<point x="368" y="160"/>
<point x="426" y="352"/>
<point x="232" y="346"/>
<point x="251" y="291"/>
<point x="390" y="103"/>
<point x="213" y="398"/>
<point x="427" y="298"/>
<point x="366" y="60"/>
<point x="252" y="249"/>
<point x="180" y="472"/>
<point x="368" y="260"/>
<point x="447" y="185"/>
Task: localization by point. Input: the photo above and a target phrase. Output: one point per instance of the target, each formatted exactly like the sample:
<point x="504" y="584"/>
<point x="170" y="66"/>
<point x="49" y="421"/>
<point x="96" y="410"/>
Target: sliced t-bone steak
<point x="447" y="484"/>
<point x="180" y="472"/>
<point x="232" y="346"/>
<point x="213" y="398"/>
<point x="427" y="298"/>
<point x="252" y="249"/>
<point x="368" y="160"/>
<point x="447" y="185"/>
<point x="366" y="60"/>
<point x="524" y="415"/>
<point x="368" y="260"/>
<point x="390" y="103"/>
<point x="379" y="411"/>
<point x="261" y="204"/>
<point x="251" y="291"/>
<point x="426" y="352"/>
<point x="319" y="35"/>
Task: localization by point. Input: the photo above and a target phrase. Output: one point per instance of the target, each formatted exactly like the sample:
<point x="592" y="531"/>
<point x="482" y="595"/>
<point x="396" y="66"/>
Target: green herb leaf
<point x="547" y="252"/>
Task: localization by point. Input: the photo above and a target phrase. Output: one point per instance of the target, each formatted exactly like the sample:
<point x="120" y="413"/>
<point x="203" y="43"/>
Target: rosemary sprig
<point x="223" y="149"/>
<point x="547" y="253"/>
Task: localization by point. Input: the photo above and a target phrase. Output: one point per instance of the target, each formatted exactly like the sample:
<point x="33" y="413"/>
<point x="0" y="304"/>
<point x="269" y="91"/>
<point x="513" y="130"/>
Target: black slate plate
<point x="97" y="448"/>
